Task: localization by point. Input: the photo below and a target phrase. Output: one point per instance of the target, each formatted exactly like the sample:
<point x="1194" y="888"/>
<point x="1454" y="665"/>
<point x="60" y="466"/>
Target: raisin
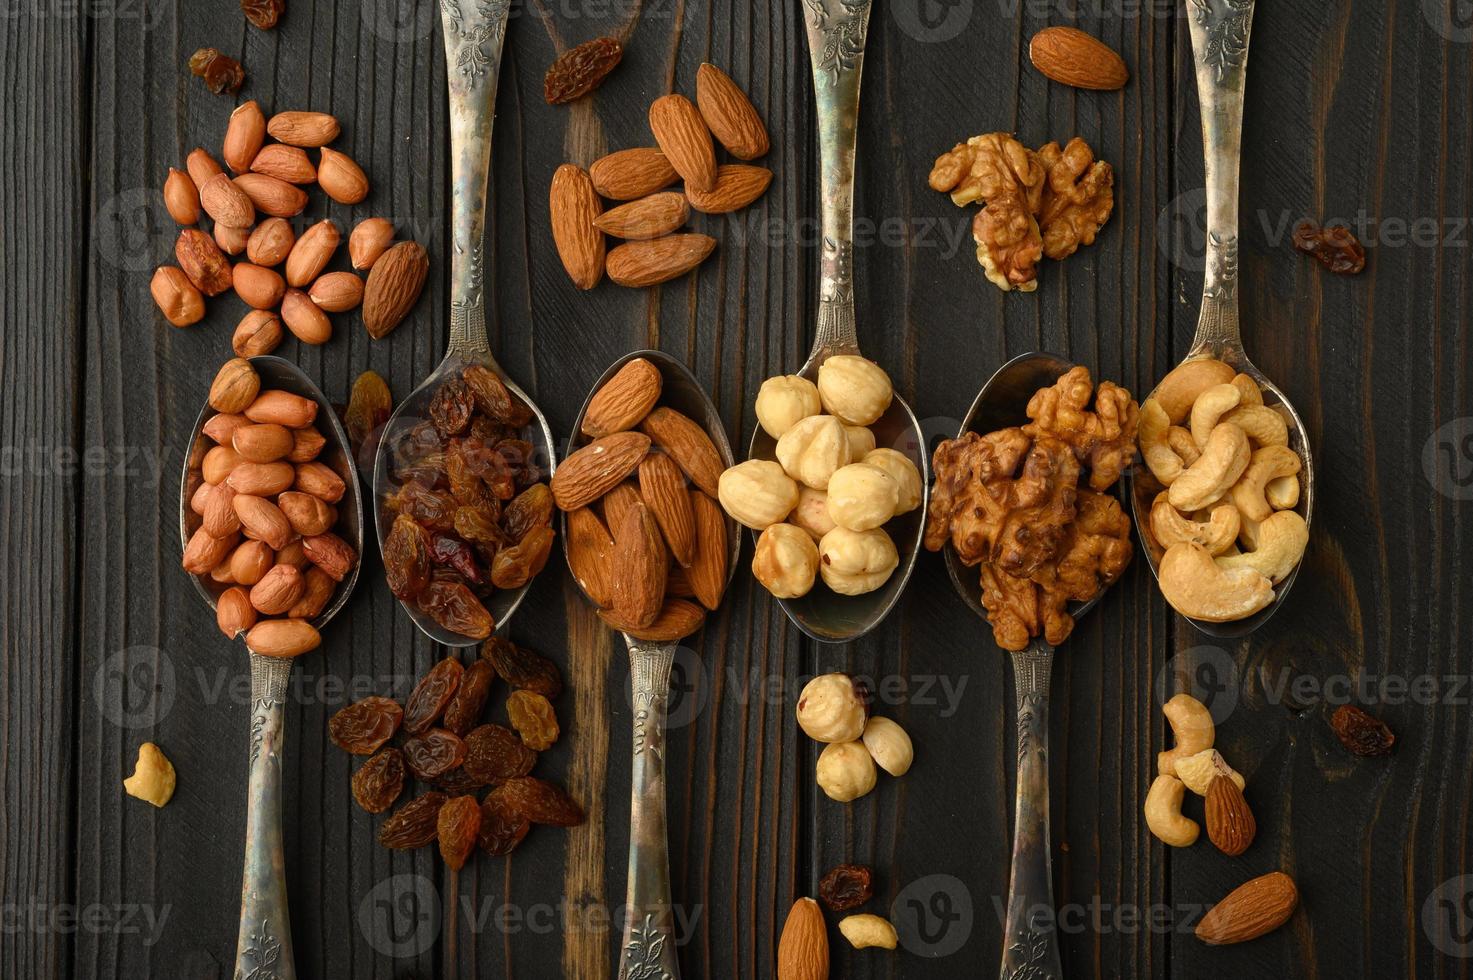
<point x="457" y="782"/>
<point x="522" y="668"/>
<point x="487" y="463"/>
<point x="220" y="72"/>
<point x="418" y="442"/>
<point x="434" y="511"/>
<point x="263" y="13"/>
<point x="1361" y="733"/>
<point x="434" y="753"/>
<point x="445" y="550"/>
<point x="533" y="718"/>
<point x="456" y="608"/>
<point x="1335" y="247"/>
<point x="530" y="510"/>
<point x="451" y="407"/>
<point x="369" y="407"/>
<point x="521" y="458"/>
<point x="465" y="486"/>
<point x="846" y="887"/>
<point x="465" y="708"/>
<point x="413" y="824"/>
<point x="580" y="70"/>
<point x="426" y="473"/>
<point x="514" y="567"/>
<point x="431" y="695"/>
<point x="502" y="827"/>
<point x="494" y="398"/>
<point x="488" y="431"/>
<point x="493" y="752"/>
<point x="407" y="557"/>
<point x="458" y="826"/>
<point x="479" y="525"/>
<point x="364" y="726"/>
<point x="379" y="781"/>
<point x="541" y="802"/>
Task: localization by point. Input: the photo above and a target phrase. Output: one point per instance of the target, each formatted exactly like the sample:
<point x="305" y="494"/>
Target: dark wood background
<point x="1357" y="108"/>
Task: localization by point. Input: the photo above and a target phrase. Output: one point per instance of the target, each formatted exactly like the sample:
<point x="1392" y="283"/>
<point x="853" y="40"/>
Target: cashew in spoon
<point x="1164" y="464"/>
<point x="1191" y="729"/>
<point x="1263" y="425"/>
<point x="1224" y="458"/>
<point x="1199" y="588"/>
<point x="1282" y="493"/>
<point x="1164" y="816"/>
<point x="1281" y="542"/>
<point x="1268" y="463"/>
<point x="1180" y="388"/>
<point x="1182" y="443"/>
<point x="1209" y="409"/>
<point x="1252" y="394"/>
<point x="1215" y="534"/>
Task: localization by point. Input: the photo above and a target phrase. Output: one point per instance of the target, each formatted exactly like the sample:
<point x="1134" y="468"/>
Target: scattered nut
<point x="1164" y="816"/>
<point x="864" y="931"/>
<point x="888" y="745"/>
<point x="1191" y="726"/>
<point x="153" y="776"/>
<point x="831" y="708"/>
<point x="1199" y="770"/>
<point x="845" y="771"/>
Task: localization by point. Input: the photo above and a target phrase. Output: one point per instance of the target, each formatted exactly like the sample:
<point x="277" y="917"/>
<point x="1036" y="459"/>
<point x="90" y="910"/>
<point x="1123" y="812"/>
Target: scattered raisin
<point x="413" y="824"/>
<point x="522" y="668"/>
<point x="407" y="557"/>
<point x="533" y="718"/>
<point x="451" y="407"/>
<point x="458" y="826"/>
<point x="263" y="13"/>
<point x="364" y="726"/>
<point x="431" y="695"/>
<point x="221" y="72"/>
<point x="434" y="753"/>
<point x="1335" y="247"/>
<point x="580" y="70"/>
<point x="369" y="407"/>
<point x="846" y="887"/>
<point x="465" y="708"/>
<point x="379" y="781"/>
<point x="1361" y="733"/>
<point x="541" y="802"/>
<point x="502" y="826"/>
<point x="456" y="608"/>
<point x="493" y="752"/>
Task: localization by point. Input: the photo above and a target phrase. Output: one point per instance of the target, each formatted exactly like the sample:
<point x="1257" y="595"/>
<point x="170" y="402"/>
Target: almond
<point x="707" y="572"/>
<point x="685" y="140"/>
<point x="177" y="298"/>
<point x="596" y="468"/>
<point x="320" y="480"/>
<point x="1252" y="909"/>
<point x="1071" y="56"/>
<point x="648" y="217"/>
<point x="261" y="479"/>
<point x="303" y="128"/>
<point x="310" y="255"/>
<point x="337" y="292"/>
<point x="288" y="163"/>
<point x="803" y="949"/>
<point x="640" y="560"/>
<point x="278" y="590"/>
<point x="235" y="386"/>
<point x="220" y="519"/>
<point x="304" y="318"/>
<point x="369" y="240"/>
<point x="730" y="114"/>
<point x="272" y="196"/>
<point x="282" y="407"/>
<point x="181" y="197"/>
<point x="662" y="486"/>
<point x="263" y="521"/>
<point x="658" y="260"/>
<point x="308" y="515"/>
<point x="678" y="619"/>
<point x="619" y="501"/>
<point x="202" y="261"/>
<point x="283" y="638"/>
<point x="1230" y="823"/>
<point x="257" y="285"/>
<point x="271" y="242"/>
<point x="677" y="582"/>
<point x="737" y="185"/>
<point x="591" y="555"/>
<point x="342" y="178"/>
<point x="574" y="207"/>
<point x="201" y="166"/>
<point x="628" y="174"/>
<point x="623" y="400"/>
<point x="259" y="332"/>
<point x="393" y="287"/>
<point x="244" y="135"/>
<point x="262" y="442"/>
<point x="204" y="551"/>
<point x="688" y="444"/>
<point x="234" y="613"/>
<point x="232" y="241"/>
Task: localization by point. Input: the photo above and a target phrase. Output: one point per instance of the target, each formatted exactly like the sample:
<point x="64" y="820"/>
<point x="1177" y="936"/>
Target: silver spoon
<point x="1220" y="30"/>
<point x="648" y="947"/>
<point x="265" y="942"/>
<point x="836" y="35"/>
<point x="474" y="34"/>
<point x="1030" y="943"/>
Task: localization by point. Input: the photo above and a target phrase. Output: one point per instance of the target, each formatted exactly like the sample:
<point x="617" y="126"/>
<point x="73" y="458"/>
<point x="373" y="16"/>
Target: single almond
<point x="305" y="318"/>
<point x="282" y="407"/>
<point x="271" y="195"/>
<point x="235" y="386"/>
<point x="393" y="287"/>
<point x="1230" y="823"/>
<point x="686" y="443"/>
<point x="288" y="163"/>
<point x="181" y="197"/>
<point x="677" y="619"/>
<point x="730" y="114"/>
<point x="262" y="442"/>
<point x="303" y="128"/>
<point x="283" y="638"/>
<point x="708" y="568"/>
<point x="202" y="261"/>
<point x="341" y="177"/>
<point x="803" y="948"/>
<point x="232" y="241"/>
<point x="648" y="217"/>
<point x="1072" y="57"/>
<point x="591" y="555"/>
<point x="337" y="292"/>
<point x="271" y="242"/>
<point x="370" y="239"/>
<point x="737" y="185"/>
<point x="685" y="140"/>
<point x="311" y="253"/>
<point x="625" y="175"/>
<point x="596" y="468"/>
<point x="619" y="501"/>
<point x="244" y="134"/>
<point x="201" y="166"/>
<point x="261" y="520"/>
<point x="259" y="332"/>
<point x="677" y="582"/>
<point x="658" y="260"/>
<point x="234" y="613"/>
<point x="573" y="206"/>
<point x="177" y="298"/>
<point x="640" y="561"/>
<point x="662" y="487"/>
<point x="623" y="400"/>
<point x="1251" y="910"/>
<point x="257" y="285"/>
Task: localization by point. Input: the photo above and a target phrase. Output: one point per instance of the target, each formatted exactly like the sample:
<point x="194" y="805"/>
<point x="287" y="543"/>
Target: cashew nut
<point x="153" y="776"/>
<point x="1282" y="492"/>
<point x="1165" y="464"/>
<point x="1182" y="443"/>
<point x="1281" y="542"/>
<point x="1224" y="458"/>
<point x="1216" y="534"/>
<point x="1209" y="409"/>
<point x="1191" y="729"/>
<point x="1180" y="388"/>
<point x="866" y="930"/>
<point x="1248" y="531"/>
<point x="1164" y="816"/>
<point x="1268" y="463"/>
<point x="1199" y="588"/>
<point x="1198" y="771"/>
<point x="1252" y="394"/>
<point x="1263" y="425"/>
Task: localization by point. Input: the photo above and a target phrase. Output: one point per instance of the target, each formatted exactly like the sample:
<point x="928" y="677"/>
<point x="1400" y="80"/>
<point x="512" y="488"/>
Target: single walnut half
<point x="1008" y="179"/>
<point x="1103" y="439"/>
<point x="1077" y="198"/>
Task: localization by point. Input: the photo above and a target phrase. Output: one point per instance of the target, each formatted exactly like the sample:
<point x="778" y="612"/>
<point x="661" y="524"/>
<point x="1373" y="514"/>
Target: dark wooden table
<point x="1360" y="110"/>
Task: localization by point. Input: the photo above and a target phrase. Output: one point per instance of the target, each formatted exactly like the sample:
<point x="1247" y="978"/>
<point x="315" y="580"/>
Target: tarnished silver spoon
<point x="265" y="943"/>
<point x="836" y="35"/>
<point x="474" y="35"/>
<point x="648" y="948"/>
<point x="1030" y="943"/>
<point x="1220" y="30"/>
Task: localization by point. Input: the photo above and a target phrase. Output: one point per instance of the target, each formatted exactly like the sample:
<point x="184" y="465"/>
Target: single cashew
<point x="1282" y="493"/>
<point x="1215" y="534"/>
<point x="1191" y="729"/>
<point x="1281" y="543"/>
<point x="1180" y="388"/>
<point x="1209" y="409"/>
<point x="1224" y="459"/>
<point x="1198" y="771"/>
<point x="1263" y="425"/>
<point x="1181" y="442"/>
<point x="1268" y="463"/>
<point x="1198" y="588"/>
<point x="1252" y="394"/>
<point x="1248" y="531"/>
<point x="1164" y="816"/>
<point x="1151" y="433"/>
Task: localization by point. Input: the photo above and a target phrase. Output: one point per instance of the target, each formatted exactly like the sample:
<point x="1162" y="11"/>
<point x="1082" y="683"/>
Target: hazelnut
<point x="845" y="771"/>
<point x="855" y="562"/>
<point x="862" y="496"/>
<point x="861" y="441"/>
<point x="856" y="390"/>
<point x="813" y="449"/>
<point x="889" y="746"/>
<point x="757" y="493"/>
<point x="786" y="561"/>
<point x="784" y="401"/>
<point x="831" y="709"/>
<point x="153" y="776"/>
<point x="812" y="512"/>
<point x="903" y="472"/>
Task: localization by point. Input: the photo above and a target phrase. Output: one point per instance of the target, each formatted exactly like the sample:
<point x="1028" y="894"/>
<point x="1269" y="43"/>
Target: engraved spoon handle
<point x="836" y="34"/>
<point x="1030" y="943"/>
<point x="475" y="31"/>
<point x="1219" y="30"/>
<point x="648" y="949"/>
<point x="264" y="949"/>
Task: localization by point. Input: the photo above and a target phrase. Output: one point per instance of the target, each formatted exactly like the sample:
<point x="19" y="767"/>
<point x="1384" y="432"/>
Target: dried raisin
<point x="364" y="726"/>
<point x="431" y="695"/>
<point x="407" y="557"/>
<point x="1361" y="733"/>
<point x="531" y="509"/>
<point x="379" y="781"/>
<point x="451" y="407"/>
<point x="533" y="718"/>
<point x="502" y="826"/>
<point x="494" y="398"/>
<point x="220" y="72"/>
<point x="514" y="567"/>
<point x="522" y="668"/>
<point x="1335" y="247"/>
<point x="263" y="13"/>
<point x="464" y="710"/>
<point x="434" y="753"/>
<point x="432" y="510"/>
<point x="580" y="70"/>
<point x="493" y="752"/>
<point x="456" y="608"/>
<point x="457" y="782"/>
<point x="541" y="802"/>
<point x="369" y="407"/>
<point x="446" y="550"/>
<point x="458" y="826"/>
<point x="414" y="824"/>
<point x="846" y="887"/>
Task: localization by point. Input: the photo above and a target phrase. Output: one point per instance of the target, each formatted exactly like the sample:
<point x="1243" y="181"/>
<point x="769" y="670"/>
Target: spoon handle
<point x="264" y="948"/>
<point x="649" y="923"/>
<point x="474" y="33"/>
<point x="836" y="35"/>
<point x="1220" y="31"/>
<point x="1030" y="942"/>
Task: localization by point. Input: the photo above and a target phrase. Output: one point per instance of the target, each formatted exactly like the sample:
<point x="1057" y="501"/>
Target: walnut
<point x="1103" y="439"/>
<point x="1095" y="553"/>
<point x="1077" y="198"/>
<point x="1008" y="179"/>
